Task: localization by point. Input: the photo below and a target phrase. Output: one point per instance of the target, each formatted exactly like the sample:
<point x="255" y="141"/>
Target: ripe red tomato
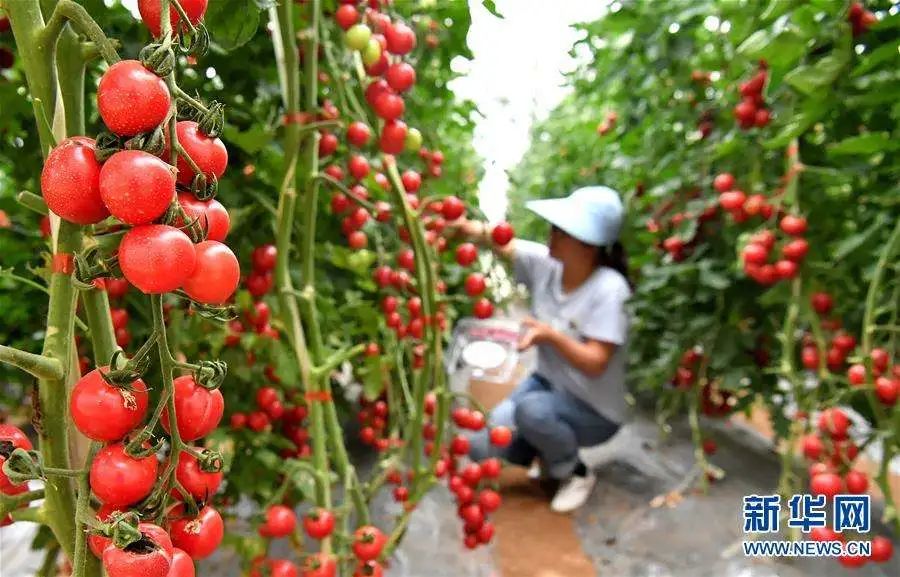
<point x="70" y="182"/>
<point x="259" y="283"/>
<point x="208" y="153"/>
<point x="117" y="479"/>
<point x="452" y="208"/>
<point x="389" y="106"/>
<point x="358" y="166"/>
<point x="887" y="390"/>
<point x="319" y="523"/>
<point x="358" y="133"/>
<point x="723" y="182"/>
<point x="880" y="359"/>
<point x="822" y="302"/>
<point x="400" y="76"/>
<point x="856" y="374"/>
<point x="393" y="137"/>
<point x="466" y="253"/>
<point x="785" y="269"/>
<point x="264" y="257"/>
<point x="357" y="240"/>
<point x="182" y="565"/>
<point x="401" y="39"/>
<point x="103" y="412"/>
<point x="334" y="171"/>
<point x="882" y="550"/>
<point x="755" y="254"/>
<point x="460" y="445"/>
<point x="156" y="258"/>
<point x="201" y="485"/>
<point x="151" y="12"/>
<point x="823" y="534"/>
<point x="258" y="421"/>
<point x="828" y="484"/>
<point x="844" y="342"/>
<point x="116" y="288"/>
<point x="502" y="234"/>
<point x="368" y="569"/>
<point x="793" y="225"/>
<point x="856" y="481"/>
<point x="216" y="274"/>
<point x="406" y="258"/>
<point x="319" y="565"/>
<point x="483" y="308"/>
<point x="411" y="180"/>
<point x="490" y="468"/>
<point x="273" y="568"/>
<point x="16" y="436"/>
<point x="475" y="284"/>
<point x="346" y="16"/>
<point x="852" y="561"/>
<point x="198" y="536"/>
<point x="795" y="250"/>
<point x="149" y="561"/>
<point x="328" y="143"/>
<point x="835" y="422"/>
<point x="212" y="216"/>
<point x="501" y="436"/>
<point x="745" y="113"/>
<point x="136" y="187"/>
<point x="132" y="99"/>
<point x="280" y="522"/>
<point x="733" y="200"/>
<point x="368" y="542"/>
<point x="197" y="409"/>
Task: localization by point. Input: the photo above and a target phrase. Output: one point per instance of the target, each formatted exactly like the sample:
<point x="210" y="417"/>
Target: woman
<point x="578" y="287"/>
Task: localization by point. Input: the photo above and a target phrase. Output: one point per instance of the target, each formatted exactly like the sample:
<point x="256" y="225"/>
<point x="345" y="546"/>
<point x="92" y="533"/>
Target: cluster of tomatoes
<point x="714" y="401"/>
<point x="751" y="110"/>
<point x="832" y="472"/>
<point x="272" y="409"/>
<point x="11" y="438"/>
<point x="860" y="19"/>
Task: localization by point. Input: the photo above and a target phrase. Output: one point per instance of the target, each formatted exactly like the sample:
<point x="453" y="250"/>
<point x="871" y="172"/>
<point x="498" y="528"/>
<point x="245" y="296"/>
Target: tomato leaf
<point x="491" y="7"/>
<point x="851" y="243"/>
<point x="864" y="144"/>
<point x="231" y="28"/>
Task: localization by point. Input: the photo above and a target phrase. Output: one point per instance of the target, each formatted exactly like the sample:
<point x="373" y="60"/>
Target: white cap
<point x="592" y="214"/>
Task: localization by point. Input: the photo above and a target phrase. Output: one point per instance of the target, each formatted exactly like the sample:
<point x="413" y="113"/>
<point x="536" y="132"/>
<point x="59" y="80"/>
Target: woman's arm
<point x="589" y="356"/>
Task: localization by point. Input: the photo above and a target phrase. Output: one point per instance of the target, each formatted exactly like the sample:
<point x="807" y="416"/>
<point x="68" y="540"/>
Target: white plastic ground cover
<point x="17" y="558"/>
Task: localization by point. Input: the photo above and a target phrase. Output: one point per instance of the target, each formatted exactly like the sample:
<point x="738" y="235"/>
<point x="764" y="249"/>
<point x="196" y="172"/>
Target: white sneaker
<point x="535" y="472"/>
<point x="573" y="493"/>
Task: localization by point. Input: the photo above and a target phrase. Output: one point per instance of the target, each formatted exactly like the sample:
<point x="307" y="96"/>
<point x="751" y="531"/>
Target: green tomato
<point x="358" y="37"/>
<point x="372" y="53"/>
<point x="413" y="140"/>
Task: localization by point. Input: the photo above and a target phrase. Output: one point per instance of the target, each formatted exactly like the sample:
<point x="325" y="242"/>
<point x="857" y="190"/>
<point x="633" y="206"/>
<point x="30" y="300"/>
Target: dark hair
<point x="615" y="258"/>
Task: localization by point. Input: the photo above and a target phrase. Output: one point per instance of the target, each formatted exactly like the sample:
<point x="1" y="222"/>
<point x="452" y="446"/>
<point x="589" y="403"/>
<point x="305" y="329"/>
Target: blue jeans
<point x="546" y="423"/>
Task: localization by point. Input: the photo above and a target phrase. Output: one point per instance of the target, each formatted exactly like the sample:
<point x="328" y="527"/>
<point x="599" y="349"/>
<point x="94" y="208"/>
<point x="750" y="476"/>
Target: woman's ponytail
<point x="615" y="258"/>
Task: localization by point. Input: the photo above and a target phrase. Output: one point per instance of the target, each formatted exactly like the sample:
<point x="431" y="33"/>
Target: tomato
<point x="824" y="534"/>
<point x="745" y="113"/>
<point x="882" y="549"/>
<point x="346" y="16"/>
<point x="358" y="166"/>
<point x="400" y="76"/>
<point x="280" y="522"/>
<point x="393" y="137"/>
<point x="382" y="211"/>
<point x="812" y="446"/>
<point x="411" y="180"/>
<point x="339" y="203"/>
<point x="485" y="533"/>
<point x="16" y="436"/>
<point x="208" y="153"/>
<point x="483" y="308"/>
<point x="368" y="542"/>
<point x="319" y="565"/>
<point x="490" y="468"/>
<point x="198" y="410"/>
<point x="132" y="99"/>
<point x="795" y="250"/>
<point x="502" y="234"/>
<point x="182" y="565"/>
<point x="844" y="342"/>
<point x="786" y="269"/>
<point x="136" y="187"/>
<point x="793" y="225"/>
<point x="259" y="283"/>
<point x="97" y="542"/>
<point x="197" y="536"/>
<point x="358" y="133"/>
<point x="887" y="390"/>
<point x="264" y="257"/>
<point x="755" y="254"/>
<point x="151" y="12"/>
<point x="471" y="474"/>
<point x="357" y="240"/>
<point x="199" y="483"/>
<point x="389" y="106"/>
<point x="142" y="559"/>
<point x="273" y="568"/>
<point x="733" y="200"/>
<point x="156" y="258"/>
<point x="117" y="479"/>
<point x="319" y="523"/>
<point x="809" y="356"/>
<point x="452" y="208"/>
<point x="216" y="274"/>
<point x="501" y="436"/>
<point x="856" y="481"/>
<point x="258" y="421"/>
<point x="357" y="36"/>
<point x="828" y="484"/>
<point x="70" y="182"/>
<point x="116" y="288"/>
<point x="880" y="359"/>
<point x="852" y="561"/>
<point x="210" y="214"/>
<point x="723" y="182"/>
<point x="103" y="412"/>
<point x="466" y="253"/>
<point x="401" y="39"/>
<point x="822" y="302"/>
<point x="406" y="258"/>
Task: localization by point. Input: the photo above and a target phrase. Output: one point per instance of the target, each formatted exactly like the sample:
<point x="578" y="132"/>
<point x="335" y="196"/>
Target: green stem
<point x="33" y="202"/>
<point x="68" y="11"/>
<point x="80" y="565"/>
<point x="38" y="365"/>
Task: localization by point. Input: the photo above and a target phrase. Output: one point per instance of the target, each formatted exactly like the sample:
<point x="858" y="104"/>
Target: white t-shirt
<point x="595" y="310"/>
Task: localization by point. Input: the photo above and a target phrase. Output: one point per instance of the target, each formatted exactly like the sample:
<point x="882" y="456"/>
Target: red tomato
<point x="212" y="216"/>
<point x="273" y="568"/>
<point x="208" y="153"/>
<point x="501" y="436"/>
<point x="856" y="481"/>
<point x="346" y="16"/>
<point x="258" y="421"/>
<point x="15" y="436"/>
<point x="406" y="258"/>
<point x="822" y="302"/>
<point x="812" y="447"/>
<point x="264" y="257"/>
<point x="216" y="274"/>
<point x="132" y="99"/>
<point x="97" y="542"/>
<point x="483" y="308"/>
<point x="796" y="249"/>
<point x="466" y="253"/>
<point x="452" y="208"/>
<point x="70" y="182"/>
<point x="357" y="240"/>
<point x="103" y="412"/>
<point x="328" y="143"/>
<point x="824" y="534"/>
<point x="828" y="484"/>
<point x="319" y="523"/>
<point x="793" y="225"/>
<point x="280" y="522"/>
<point x="358" y="166"/>
<point x="401" y="39"/>
<point x="401" y="76"/>
<point x="459" y="445"/>
<point x="151" y="12"/>
<point x="136" y="187"/>
<point x="786" y="269"/>
<point x="723" y="182"/>
<point x="755" y="254"/>
<point x="412" y="181"/>
<point x="475" y="284"/>
<point x="156" y="258"/>
<point x="732" y="200"/>
<point x="368" y="542"/>
<point x="259" y="283"/>
<point x="150" y="561"/>
<point x="490" y="468"/>
<point x="358" y="133"/>
<point x="502" y="234"/>
<point x="182" y="565"/>
<point x="887" y="390"/>
<point x="117" y="479"/>
<point x="882" y="550"/>
<point x="319" y="565"/>
<point x="197" y="536"/>
<point x="202" y="485"/>
<point x="393" y="137"/>
<point x="368" y="569"/>
<point x="198" y="410"/>
<point x="389" y="106"/>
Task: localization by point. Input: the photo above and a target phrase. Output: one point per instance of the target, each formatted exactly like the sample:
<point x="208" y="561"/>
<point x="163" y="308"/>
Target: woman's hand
<point x="535" y="333"/>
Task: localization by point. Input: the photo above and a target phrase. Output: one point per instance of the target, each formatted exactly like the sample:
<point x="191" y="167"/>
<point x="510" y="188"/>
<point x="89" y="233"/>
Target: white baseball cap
<point x="592" y="214"/>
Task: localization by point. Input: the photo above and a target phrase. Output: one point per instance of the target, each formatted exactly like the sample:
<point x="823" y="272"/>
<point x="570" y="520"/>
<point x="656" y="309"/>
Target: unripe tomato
<point x="502" y="234"/>
<point x="119" y="480"/>
<point x="413" y="140"/>
<point x="156" y="258"/>
<point x="466" y="253"/>
<point x="103" y="412"/>
<point x="374" y="58"/>
<point x="280" y="522"/>
<point x="151" y="14"/>
<point x="136" y="187"/>
<point x="198" y="410"/>
<point x="216" y="274"/>
<point x="210" y="214"/>
<point x="198" y="536"/>
<point x="393" y="137"/>
<point x="201" y="485"/>
<point x="357" y="37"/>
<point x="70" y="182"/>
<point x="208" y="153"/>
<point x="132" y="99"/>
